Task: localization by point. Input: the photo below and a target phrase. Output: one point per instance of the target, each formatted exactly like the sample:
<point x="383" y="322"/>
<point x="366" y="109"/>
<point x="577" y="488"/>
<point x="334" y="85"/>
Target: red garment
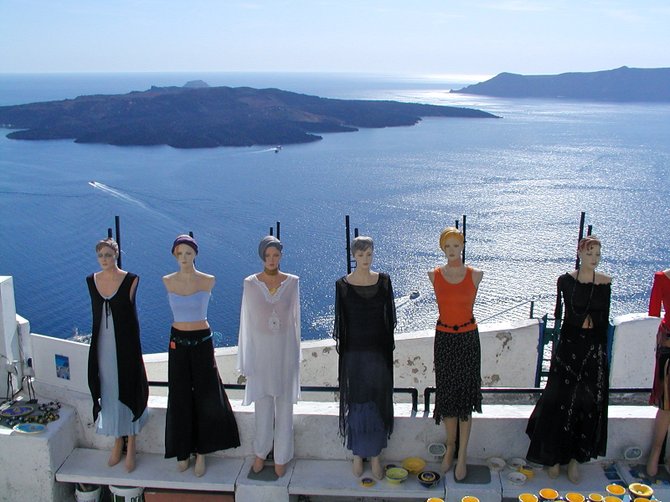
<point x="455" y="303"/>
<point x="660" y="294"/>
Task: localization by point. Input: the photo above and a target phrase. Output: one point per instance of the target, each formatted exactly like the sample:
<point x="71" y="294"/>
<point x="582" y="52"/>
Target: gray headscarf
<point x="266" y="242"/>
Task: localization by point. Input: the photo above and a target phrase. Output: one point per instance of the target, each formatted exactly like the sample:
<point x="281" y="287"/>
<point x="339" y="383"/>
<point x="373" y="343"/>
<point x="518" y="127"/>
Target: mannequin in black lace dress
<point x="364" y="324"/>
<point x="569" y="422"/>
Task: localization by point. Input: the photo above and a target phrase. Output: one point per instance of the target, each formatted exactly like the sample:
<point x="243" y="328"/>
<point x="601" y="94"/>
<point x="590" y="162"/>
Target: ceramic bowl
<point x="616" y="490"/>
<point x="574" y="497"/>
<point x="632" y="453"/>
<point x="367" y="482"/>
<point x="548" y="494"/>
<point x="516" y="462"/>
<point x="469" y="498"/>
<point x="528" y="497"/>
<point x="428" y="479"/>
<point x="396" y="475"/>
<point x="516" y="478"/>
<point x="496" y="464"/>
<point x="413" y="465"/>
<point x="612" y="498"/>
<point x="435" y="499"/>
<point x="641" y="490"/>
<point x="437" y="450"/>
<point x="527" y="470"/>
<point x="595" y="497"/>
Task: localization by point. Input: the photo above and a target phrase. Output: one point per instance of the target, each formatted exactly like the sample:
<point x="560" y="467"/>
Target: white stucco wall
<point x="509" y="358"/>
<point x="632" y="363"/>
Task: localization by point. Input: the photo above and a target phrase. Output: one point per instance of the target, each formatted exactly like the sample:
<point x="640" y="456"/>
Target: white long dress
<point x="269" y="339"/>
<point x="115" y="418"/>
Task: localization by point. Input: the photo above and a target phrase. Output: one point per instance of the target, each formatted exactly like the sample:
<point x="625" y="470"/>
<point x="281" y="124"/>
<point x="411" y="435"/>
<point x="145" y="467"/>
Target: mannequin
<point x="269" y="355"/>
<point x="457" y="353"/>
<point x="199" y="419"/>
<point x="569" y="422"/>
<point x="364" y="323"/>
<point x="116" y="374"/>
<point x="660" y="295"/>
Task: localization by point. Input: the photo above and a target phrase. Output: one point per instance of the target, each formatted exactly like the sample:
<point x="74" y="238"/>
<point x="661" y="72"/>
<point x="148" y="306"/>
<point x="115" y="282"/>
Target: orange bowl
<point x="616" y="490"/>
<point x="574" y="497"/>
<point x="640" y="490"/>
<point x="527" y="497"/>
<point x="548" y="494"/>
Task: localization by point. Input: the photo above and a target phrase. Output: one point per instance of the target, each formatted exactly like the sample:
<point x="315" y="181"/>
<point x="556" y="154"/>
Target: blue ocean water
<point x="522" y="180"/>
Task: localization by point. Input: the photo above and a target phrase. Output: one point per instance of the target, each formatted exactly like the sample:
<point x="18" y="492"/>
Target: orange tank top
<point x="455" y="302"/>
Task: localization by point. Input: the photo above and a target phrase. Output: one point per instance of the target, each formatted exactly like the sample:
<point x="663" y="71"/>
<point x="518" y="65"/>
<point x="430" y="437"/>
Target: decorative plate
<point x="29" y="428"/>
<point x="16" y="411"/>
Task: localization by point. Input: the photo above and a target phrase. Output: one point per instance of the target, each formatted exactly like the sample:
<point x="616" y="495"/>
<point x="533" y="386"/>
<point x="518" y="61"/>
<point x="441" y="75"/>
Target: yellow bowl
<point x="469" y="498"/>
<point x="528" y="497"/>
<point x="612" y="498"/>
<point x="396" y="475"/>
<point x="548" y="494"/>
<point x="595" y="497"/>
<point x="574" y="497"/>
<point x="640" y="499"/>
<point x="616" y="490"/>
<point x="641" y="490"/>
<point x="527" y="471"/>
<point x="435" y="499"/>
<point x="413" y="465"/>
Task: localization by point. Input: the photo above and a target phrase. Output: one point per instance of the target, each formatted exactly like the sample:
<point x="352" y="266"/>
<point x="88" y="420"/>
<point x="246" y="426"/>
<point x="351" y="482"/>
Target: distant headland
<point x="200" y="116"/>
<point x="620" y="85"/>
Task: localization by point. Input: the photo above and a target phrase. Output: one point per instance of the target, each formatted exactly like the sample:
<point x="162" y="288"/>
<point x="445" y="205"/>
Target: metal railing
<point x="414" y="393"/>
<point x="428" y="391"/>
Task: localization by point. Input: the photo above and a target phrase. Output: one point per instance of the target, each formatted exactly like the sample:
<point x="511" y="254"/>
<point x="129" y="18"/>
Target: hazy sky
<point x="447" y="37"/>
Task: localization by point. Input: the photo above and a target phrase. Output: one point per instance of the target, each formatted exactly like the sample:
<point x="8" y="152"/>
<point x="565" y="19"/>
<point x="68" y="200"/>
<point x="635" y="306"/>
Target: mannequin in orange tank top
<point x="457" y="356"/>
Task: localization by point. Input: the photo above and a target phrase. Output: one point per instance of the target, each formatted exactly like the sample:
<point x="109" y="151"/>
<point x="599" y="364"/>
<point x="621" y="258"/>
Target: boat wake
<point x="117" y="193"/>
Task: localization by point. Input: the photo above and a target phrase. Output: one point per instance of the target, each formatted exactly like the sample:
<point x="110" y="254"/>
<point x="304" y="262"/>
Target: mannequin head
<point x="451" y="243"/>
<point x="588" y="251"/>
<point x="450" y="232"/>
<point x="269" y="250"/>
<point x="362" y="250"/>
<point x="107" y="251"/>
<point x="185" y="255"/>
<point x="266" y="242"/>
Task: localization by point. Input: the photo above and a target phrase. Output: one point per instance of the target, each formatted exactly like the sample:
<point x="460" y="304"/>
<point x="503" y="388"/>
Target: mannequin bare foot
<point x="377" y="470"/>
<point x="573" y="471"/>
<point x="259" y="463"/>
<point x="357" y="467"/>
<point x="200" y="467"/>
<point x="448" y="459"/>
<point x="554" y="471"/>
<point x="280" y="469"/>
<point x="461" y="470"/>
<point x="115" y="456"/>
<point x="130" y="454"/>
<point x="182" y="465"/>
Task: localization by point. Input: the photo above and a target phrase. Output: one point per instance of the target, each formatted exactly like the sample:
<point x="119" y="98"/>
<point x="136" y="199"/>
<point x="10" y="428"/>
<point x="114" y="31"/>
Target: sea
<point x="522" y="181"/>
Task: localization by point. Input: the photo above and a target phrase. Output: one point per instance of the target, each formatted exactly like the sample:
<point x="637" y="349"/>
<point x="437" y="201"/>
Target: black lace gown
<point x="364" y="324"/>
<point x="570" y="418"/>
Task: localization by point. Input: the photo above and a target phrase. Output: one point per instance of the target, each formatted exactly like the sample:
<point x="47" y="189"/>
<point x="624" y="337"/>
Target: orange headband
<point x="450" y="232"/>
